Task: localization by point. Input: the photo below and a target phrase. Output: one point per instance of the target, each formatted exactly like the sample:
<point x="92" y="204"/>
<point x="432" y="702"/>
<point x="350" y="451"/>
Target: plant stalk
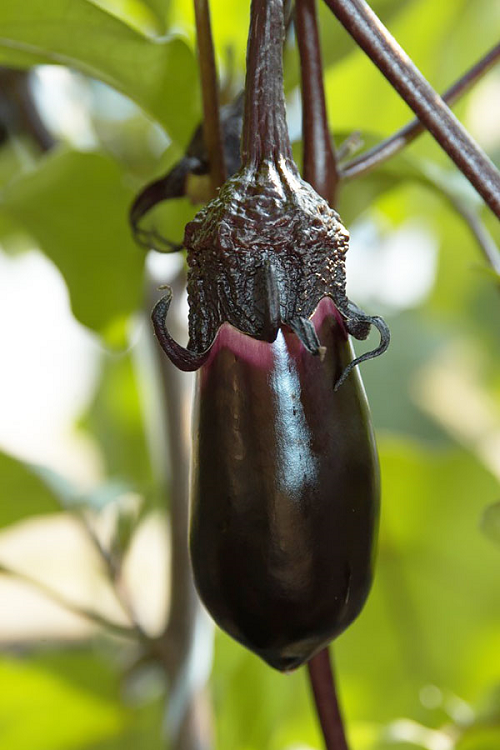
<point x="395" y="143"/>
<point x="325" y="697"/>
<point x="320" y="168"/>
<point x="372" y="36"/>
<point x="265" y="133"/>
<point x="210" y="94"/>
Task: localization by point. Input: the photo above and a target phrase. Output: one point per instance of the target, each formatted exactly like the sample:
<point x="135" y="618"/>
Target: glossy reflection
<point x="285" y="491"/>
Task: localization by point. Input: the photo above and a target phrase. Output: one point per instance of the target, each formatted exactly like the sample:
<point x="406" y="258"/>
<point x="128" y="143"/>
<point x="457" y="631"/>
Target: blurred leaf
<point x="480" y="738"/>
<point x="160" y="8"/>
<point x="169" y="219"/>
<point x="280" y="705"/>
<point x="230" y="23"/>
<point x="490" y="522"/>
<point x="414" y="342"/>
<point x="334" y="39"/>
<point x="23" y="494"/>
<point x="160" y="75"/>
<point x="359" y="194"/>
<point x="142" y="14"/>
<point x="75" y="205"/>
<point x="431" y="618"/>
<point x="115" y="419"/>
<point x="91" y="680"/>
<point x="41" y="710"/>
<point x="359" y="96"/>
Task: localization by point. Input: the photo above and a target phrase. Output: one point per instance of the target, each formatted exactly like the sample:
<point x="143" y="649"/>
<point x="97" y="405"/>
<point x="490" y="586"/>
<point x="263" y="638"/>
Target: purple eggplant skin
<point x="285" y="491"/>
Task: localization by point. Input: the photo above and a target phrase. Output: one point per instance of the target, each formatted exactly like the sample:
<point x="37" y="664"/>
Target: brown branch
<point x="210" y="94"/>
<point x="390" y="146"/>
<point x="325" y="697"/>
<point x="320" y="168"/>
<point x="372" y="36"/>
<point x="478" y="230"/>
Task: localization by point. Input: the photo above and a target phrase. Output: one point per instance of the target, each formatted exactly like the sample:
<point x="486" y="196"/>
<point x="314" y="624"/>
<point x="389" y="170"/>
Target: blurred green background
<point x="84" y="478"/>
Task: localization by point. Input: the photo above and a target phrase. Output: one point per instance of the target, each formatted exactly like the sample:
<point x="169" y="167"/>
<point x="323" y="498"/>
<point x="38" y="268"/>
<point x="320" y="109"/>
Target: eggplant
<point x="285" y="482"/>
<point x="285" y="491"/>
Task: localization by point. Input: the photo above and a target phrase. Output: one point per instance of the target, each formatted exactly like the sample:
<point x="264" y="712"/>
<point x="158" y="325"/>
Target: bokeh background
<point x="87" y="459"/>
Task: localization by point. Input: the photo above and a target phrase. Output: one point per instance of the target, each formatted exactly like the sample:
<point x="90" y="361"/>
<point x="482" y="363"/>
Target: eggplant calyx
<point x="358" y="324"/>
<point x="184" y="359"/>
<point x="304" y="329"/>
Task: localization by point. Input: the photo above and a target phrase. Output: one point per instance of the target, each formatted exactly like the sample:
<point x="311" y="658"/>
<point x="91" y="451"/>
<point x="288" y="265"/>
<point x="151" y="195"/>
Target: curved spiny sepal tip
<point x="385" y="338"/>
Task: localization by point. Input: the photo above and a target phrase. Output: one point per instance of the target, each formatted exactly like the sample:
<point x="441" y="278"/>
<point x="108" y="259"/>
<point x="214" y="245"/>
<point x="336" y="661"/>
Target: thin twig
<point x="210" y="95"/>
<point x="390" y="146"/>
<point x="325" y="697"/>
<point x="320" y="168"/>
<point x="484" y="239"/>
<point x="372" y="36"/>
<point x="85" y="612"/>
<point x="113" y="572"/>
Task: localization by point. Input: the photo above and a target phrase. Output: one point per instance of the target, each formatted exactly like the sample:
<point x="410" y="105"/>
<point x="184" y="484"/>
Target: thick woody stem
<point x="319" y="158"/>
<point x="265" y="134"/>
<point x="395" y="143"/>
<point x="372" y="36"/>
<point x="327" y="706"/>
<point x="210" y="94"/>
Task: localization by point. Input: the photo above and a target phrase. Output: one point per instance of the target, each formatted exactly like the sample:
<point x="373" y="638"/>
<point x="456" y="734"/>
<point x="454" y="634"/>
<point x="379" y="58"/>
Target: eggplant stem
<point x="210" y="94"/>
<point x="327" y="704"/>
<point x="265" y="133"/>
<point x="320" y="168"/>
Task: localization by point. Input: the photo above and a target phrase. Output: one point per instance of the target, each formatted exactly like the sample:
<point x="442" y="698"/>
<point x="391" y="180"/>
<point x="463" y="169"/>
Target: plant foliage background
<point x="421" y="666"/>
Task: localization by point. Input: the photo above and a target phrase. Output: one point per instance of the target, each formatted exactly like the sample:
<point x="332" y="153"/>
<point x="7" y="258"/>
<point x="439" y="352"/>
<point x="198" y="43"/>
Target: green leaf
<point x="230" y="23"/>
<point x="480" y="738"/>
<point x="282" y="717"/>
<point x="150" y="15"/>
<point x="86" y="686"/>
<point x="75" y="205"/>
<point x="160" y="75"/>
<point x="41" y="710"/>
<point x="116" y="419"/>
<point x="490" y="522"/>
<point x="432" y="618"/>
<point x="335" y="41"/>
<point x="23" y="493"/>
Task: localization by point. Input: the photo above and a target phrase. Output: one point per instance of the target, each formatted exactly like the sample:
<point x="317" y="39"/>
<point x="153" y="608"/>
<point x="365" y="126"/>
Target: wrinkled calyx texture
<point x="263" y="254"/>
<point x="268" y="248"/>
